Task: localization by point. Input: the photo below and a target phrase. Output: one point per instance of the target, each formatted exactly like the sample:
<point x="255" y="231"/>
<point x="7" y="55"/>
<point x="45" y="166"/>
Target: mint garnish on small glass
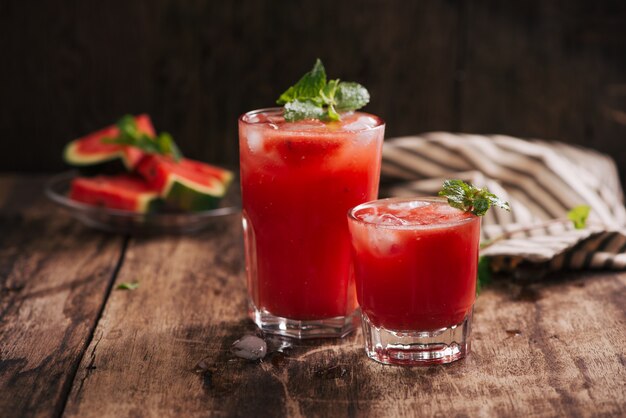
<point x="130" y="135"/>
<point x="313" y="97"/>
<point x="470" y="198"/>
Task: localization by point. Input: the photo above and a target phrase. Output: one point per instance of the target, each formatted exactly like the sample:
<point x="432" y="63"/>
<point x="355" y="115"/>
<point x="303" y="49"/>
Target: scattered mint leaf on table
<point x="578" y="215"/>
<point x="130" y="135"/>
<point x="313" y="97"/>
<point x="470" y="198"/>
<point x="127" y="286"/>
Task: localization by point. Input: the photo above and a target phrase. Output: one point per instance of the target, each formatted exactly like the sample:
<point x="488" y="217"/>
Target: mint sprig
<point x="470" y="198"/>
<point x="130" y="135"/>
<point x="313" y="97"/>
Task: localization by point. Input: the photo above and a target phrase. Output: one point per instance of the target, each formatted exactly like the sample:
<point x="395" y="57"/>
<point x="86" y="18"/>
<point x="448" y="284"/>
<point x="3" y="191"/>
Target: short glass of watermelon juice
<point x="415" y="263"/>
<point x="298" y="180"/>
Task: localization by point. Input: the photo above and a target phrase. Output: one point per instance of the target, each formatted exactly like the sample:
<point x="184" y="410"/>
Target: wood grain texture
<point x="54" y="276"/>
<point x="189" y="304"/>
<point x="552" y="349"/>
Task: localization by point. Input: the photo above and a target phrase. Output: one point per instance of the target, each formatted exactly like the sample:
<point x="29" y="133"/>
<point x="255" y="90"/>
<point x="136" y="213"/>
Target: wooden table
<point x="71" y="344"/>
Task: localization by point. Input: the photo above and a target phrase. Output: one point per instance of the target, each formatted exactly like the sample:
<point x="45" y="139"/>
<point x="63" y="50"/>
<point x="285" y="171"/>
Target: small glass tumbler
<point x="415" y="264"/>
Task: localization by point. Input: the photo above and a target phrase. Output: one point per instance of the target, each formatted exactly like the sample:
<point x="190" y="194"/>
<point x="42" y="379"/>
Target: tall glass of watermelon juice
<point x="298" y="180"/>
<point x="415" y="263"/>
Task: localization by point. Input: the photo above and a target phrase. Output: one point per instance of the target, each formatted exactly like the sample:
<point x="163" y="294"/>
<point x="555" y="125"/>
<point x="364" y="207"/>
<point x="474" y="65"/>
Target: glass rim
<point x="242" y="118"/>
<point x="379" y="202"/>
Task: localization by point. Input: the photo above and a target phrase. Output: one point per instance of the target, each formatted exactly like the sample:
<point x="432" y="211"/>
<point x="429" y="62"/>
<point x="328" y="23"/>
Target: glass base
<point x="417" y="348"/>
<point x="337" y="327"/>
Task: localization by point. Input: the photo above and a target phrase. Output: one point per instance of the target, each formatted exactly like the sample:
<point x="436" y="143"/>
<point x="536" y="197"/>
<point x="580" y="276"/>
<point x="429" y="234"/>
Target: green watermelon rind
<point x="72" y="157"/>
<point x="149" y="202"/>
<point x="192" y="196"/>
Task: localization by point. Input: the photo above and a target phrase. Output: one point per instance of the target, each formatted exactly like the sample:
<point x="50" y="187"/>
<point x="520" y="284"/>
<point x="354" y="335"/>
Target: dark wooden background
<point x="533" y="68"/>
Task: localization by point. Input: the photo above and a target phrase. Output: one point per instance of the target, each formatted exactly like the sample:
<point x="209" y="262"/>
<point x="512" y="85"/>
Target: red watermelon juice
<point x="298" y="180"/>
<point x="415" y="263"/>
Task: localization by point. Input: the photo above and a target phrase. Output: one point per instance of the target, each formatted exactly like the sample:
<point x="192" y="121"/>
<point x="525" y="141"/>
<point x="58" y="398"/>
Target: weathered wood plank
<point x="544" y="350"/>
<point x="54" y="277"/>
<point x="189" y="303"/>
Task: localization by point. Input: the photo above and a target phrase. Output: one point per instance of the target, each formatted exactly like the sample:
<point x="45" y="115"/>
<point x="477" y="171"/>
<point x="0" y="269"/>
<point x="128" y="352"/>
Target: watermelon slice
<point x="90" y="152"/>
<point x="123" y="191"/>
<point x="186" y="184"/>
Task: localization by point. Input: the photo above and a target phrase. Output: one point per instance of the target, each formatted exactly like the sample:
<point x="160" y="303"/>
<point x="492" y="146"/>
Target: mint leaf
<point x="351" y="96"/>
<point x="329" y="91"/>
<point x="469" y="198"/>
<point x="298" y="110"/>
<point x="314" y="98"/>
<point x="130" y="135"/>
<point x="578" y="216"/>
<point x="332" y="113"/>
<point x="308" y="87"/>
<point x="127" y="126"/>
<point x="167" y="146"/>
<point x="484" y="273"/>
<point x="127" y="286"/>
<point x="328" y="97"/>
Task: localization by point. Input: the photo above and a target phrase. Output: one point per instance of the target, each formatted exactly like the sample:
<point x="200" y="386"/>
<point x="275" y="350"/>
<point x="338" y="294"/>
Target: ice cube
<point x="255" y="141"/>
<point x="383" y="240"/>
<point x="307" y="125"/>
<point x="369" y="218"/>
<point x="361" y="124"/>
<point x="275" y="119"/>
<point x="448" y="210"/>
<point x="249" y="347"/>
<point x="252" y="118"/>
<point x="391" y="220"/>
<point x="382" y="219"/>
<point x="407" y="206"/>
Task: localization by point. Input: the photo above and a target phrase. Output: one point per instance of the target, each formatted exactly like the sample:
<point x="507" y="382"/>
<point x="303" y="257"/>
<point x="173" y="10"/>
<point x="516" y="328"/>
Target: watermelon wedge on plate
<point x="186" y="184"/>
<point x="92" y="155"/>
<point x="123" y="192"/>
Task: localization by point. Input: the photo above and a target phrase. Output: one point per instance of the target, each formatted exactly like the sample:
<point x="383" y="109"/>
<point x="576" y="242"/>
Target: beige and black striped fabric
<point x="541" y="180"/>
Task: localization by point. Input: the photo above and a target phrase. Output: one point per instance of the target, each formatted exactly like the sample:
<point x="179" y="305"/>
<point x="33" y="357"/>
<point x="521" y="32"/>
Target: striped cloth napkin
<point x="541" y="180"/>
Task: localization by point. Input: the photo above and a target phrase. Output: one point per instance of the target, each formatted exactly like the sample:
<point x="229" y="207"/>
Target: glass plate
<point x="125" y="222"/>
